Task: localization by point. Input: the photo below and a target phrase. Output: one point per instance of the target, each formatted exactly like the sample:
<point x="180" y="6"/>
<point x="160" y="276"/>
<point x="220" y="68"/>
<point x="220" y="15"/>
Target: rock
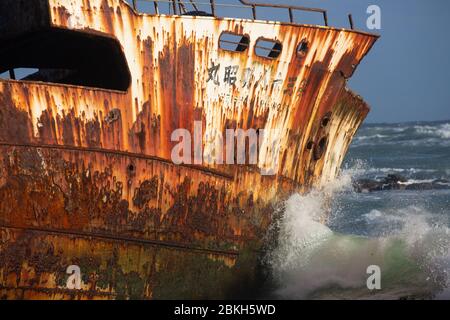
<point x="394" y="178"/>
<point x="398" y="182"/>
<point x="367" y="185"/>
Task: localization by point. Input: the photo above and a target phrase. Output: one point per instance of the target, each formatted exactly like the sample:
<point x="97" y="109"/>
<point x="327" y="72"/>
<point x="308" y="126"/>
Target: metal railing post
<point x="12" y="74"/>
<point x="193" y="5"/>
<point x="291" y="9"/>
<point x="291" y="16"/>
<point x="213" y="7"/>
<point x="247" y="3"/>
<point x="174" y="5"/>
<point x="350" y="19"/>
<point x="134" y="4"/>
<point x="325" y="18"/>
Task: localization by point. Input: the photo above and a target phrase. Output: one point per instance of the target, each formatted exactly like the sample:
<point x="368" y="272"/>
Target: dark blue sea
<point x="404" y="232"/>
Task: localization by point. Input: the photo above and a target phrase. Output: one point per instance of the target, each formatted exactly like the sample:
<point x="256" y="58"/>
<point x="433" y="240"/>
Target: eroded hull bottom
<point x="37" y="261"/>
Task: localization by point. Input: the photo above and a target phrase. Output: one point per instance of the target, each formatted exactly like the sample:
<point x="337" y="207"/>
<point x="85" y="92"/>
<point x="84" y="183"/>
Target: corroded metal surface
<point x="86" y="174"/>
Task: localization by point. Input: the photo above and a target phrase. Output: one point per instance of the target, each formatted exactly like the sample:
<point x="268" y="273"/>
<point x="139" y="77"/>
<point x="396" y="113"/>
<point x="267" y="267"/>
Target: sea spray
<point x="310" y="260"/>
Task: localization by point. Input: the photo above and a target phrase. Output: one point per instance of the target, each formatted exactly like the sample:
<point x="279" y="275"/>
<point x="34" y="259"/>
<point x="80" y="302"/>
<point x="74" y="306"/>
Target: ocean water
<point x="403" y="232"/>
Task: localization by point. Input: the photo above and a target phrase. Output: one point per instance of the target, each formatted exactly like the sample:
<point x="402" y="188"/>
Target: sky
<point x="406" y="75"/>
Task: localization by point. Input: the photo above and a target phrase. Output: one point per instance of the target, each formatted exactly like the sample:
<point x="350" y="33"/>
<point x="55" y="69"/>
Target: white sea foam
<point x="374" y="136"/>
<point x="416" y="181"/>
<point x="312" y="261"/>
<point x="405" y="135"/>
<point x="444" y="131"/>
<point x="399" y="170"/>
<point x="441" y="131"/>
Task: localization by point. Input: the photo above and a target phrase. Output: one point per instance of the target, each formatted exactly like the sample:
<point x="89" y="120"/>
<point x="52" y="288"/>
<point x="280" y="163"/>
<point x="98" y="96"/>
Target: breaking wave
<point x="409" y="134"/>
<point x="441" y="131"/>
<point x="313" y="260"/>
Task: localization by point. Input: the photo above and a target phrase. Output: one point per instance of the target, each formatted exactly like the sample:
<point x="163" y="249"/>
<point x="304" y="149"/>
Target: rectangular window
<point x="233" y="42"/>
<point x="267" y="48"/>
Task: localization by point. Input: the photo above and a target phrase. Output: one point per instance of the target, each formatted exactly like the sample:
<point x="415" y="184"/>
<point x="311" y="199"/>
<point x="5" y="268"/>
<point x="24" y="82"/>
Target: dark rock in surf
<point x="398" y="182"/>
<point x="367" y="185"/>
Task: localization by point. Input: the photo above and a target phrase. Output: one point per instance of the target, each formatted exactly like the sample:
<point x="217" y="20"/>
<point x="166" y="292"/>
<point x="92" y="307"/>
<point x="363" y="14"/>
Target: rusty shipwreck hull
<point x="86" y="176"/>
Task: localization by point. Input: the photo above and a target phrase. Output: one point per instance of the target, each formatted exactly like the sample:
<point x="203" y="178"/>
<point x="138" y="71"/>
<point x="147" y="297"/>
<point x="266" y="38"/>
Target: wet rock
<point x="394" y="178"/>
<point x="367" y="185"/>
<point x="390" y="182"/>
<point x="398" y="182"/>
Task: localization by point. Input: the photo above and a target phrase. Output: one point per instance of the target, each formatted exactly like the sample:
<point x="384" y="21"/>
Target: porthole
<point x="325" y="120"/>
<point x="302" y="48"/>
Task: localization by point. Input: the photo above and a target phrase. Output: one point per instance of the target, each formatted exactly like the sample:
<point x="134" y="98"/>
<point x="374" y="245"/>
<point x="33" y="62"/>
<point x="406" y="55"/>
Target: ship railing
<point x="179" y="7"/>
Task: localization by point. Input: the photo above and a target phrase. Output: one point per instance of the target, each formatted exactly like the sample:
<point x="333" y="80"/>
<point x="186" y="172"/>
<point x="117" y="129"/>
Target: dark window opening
<point x="66" y="57"/>
<point x="131" y="168"/>
<point x="268" y="48"/>
<point x="325" y="120"/>
<point x="319" y="150"/>
<point x="233" y="42"/>
<point x="302" y="48"/>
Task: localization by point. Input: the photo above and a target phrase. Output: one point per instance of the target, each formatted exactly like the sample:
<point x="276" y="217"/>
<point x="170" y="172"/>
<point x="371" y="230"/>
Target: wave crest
<point x="311" y="260"/>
